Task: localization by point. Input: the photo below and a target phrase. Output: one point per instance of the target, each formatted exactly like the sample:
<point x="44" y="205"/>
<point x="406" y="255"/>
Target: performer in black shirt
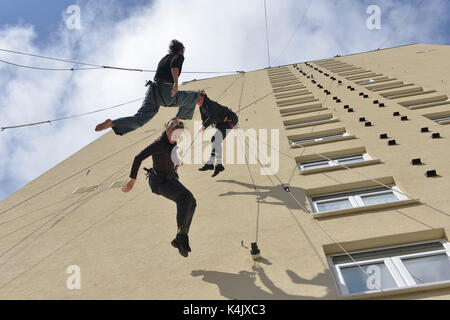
<point x="163" y="91"/>
<point x="163" y="180"/>
<point x="223" y="120"/>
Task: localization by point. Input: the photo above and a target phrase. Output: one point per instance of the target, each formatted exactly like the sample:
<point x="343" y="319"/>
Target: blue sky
<point x="45" y="15"/>
<point x="136" y="33"/>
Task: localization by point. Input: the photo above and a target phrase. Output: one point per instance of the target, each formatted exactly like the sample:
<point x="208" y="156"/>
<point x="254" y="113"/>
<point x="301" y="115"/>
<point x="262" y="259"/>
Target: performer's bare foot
<point x="104" y="125"/>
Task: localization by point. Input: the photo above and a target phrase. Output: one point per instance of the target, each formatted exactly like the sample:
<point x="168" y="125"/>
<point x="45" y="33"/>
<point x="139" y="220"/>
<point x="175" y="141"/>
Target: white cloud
<point x="226" y="35"/>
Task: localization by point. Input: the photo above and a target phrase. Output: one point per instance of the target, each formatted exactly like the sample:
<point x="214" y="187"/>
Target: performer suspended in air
<point x="164" y="180"/>
<point x="163" y="91"/>
<point x="223" y="119"/>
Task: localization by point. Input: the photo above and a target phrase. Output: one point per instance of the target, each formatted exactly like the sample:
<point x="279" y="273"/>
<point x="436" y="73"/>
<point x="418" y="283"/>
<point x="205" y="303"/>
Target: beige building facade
<point x="359" y="207"/>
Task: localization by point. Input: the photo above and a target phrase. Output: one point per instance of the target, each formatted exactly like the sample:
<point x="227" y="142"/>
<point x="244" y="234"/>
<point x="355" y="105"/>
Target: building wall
<point x="122" y="241"/>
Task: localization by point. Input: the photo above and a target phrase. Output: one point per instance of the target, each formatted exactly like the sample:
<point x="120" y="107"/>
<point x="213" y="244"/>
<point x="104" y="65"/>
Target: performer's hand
<point x="129" y="185"/>
<point x="202" y="129"/>
<point x="174" y="90"/>
<point x="178" y="165"/>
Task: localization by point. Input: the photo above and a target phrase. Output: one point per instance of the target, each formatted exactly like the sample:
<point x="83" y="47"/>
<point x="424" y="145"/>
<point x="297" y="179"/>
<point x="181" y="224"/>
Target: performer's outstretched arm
<point x="144" y="154"/>
<point x="175" y="74"/>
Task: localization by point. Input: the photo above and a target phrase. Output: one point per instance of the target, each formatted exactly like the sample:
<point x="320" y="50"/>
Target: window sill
<point x="338" y="167"/>
<point x="307" y="144"/>
<point x="398" y="291"/>
<point x="365" y="208"/>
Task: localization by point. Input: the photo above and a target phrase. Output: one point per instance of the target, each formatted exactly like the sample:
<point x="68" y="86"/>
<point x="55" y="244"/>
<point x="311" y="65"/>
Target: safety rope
<point x="60" y="213"/>
<point x="36" y="210"/>
<point x="220" y="96"/>
<point x="31" y="234"/>
<point x="286" y="188"/>
<point x="78" y="172"/>
<point x="75" y="174"/>
<point x="254" y="102"/>
<point x="361" y="174"/>
<point x="69" y="117"/>
<point x="95" y="66"/>
<point x="71" y="240"/>
<point x="57" y="221"/>
<point x="375" y="181"/>
<point x="308" y="213"/>
<point x="295" y="32"/>
<point x="48" y="69"/>
<point x="357" y="172"/>
<point x="267" y="33"/>
<point x="249" y="170"/>
<point x="254" y="185"/>
<point x="95" y="111"/>
<point x="407" y="19"/>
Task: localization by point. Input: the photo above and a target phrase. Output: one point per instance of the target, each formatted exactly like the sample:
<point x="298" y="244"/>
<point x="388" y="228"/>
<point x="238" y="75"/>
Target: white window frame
<point x="306" y="165"/>
<point x="356" y="198"/>
<point x="335" y="161"/>
<point x="397" y="269"/>
<point x="389" y="265"/>
<point x="322" y="138"/>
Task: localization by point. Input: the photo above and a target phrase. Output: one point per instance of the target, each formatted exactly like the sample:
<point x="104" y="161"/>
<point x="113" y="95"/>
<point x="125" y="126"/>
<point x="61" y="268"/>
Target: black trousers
<point x="223" y="129"/>
<point x="174" y="190"/>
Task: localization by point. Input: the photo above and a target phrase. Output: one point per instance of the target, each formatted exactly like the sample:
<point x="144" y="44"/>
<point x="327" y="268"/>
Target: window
<point x="300" y="111"/>
<point x="392" y="268"/>
<point x="426" y="104"/>
<point x="441" y="119"/>
<point x="357" y="198"/>
<point x="316" y="139"/>
<point x="308" y="122"/>
<point x="344" y="160"/>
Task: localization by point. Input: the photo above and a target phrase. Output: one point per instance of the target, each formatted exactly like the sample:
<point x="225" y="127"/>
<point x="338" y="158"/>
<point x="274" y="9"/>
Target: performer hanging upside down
<point x="163" y="180"/>
<point x="163" y="91"/>
<point x="223" y="119"/>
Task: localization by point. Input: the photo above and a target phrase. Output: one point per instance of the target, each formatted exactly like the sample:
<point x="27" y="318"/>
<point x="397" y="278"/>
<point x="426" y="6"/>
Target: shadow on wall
<point x="269" y="192"/>
<point x="242" y="285"/>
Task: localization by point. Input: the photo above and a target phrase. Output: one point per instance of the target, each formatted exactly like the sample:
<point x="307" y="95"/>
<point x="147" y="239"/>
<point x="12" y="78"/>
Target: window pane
<point x="333" y="136"/>
<point x="334" y="205"/>
<point x="441" y="119"/>
<point x="307" y="122"/>
<point x="313" y="139"/>
<point x="348" y="193"/>
<point x="379" y="198"/>
<point x="377" y="277"/>
<point x="351" y="160"/>
<point x="303" y="141"/>
<point x="315" y="165"/>
<point x="429" y="269"/>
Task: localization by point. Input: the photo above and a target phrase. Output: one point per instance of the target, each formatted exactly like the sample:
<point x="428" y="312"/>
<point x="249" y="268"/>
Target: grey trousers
<point x="158" y="94"/>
